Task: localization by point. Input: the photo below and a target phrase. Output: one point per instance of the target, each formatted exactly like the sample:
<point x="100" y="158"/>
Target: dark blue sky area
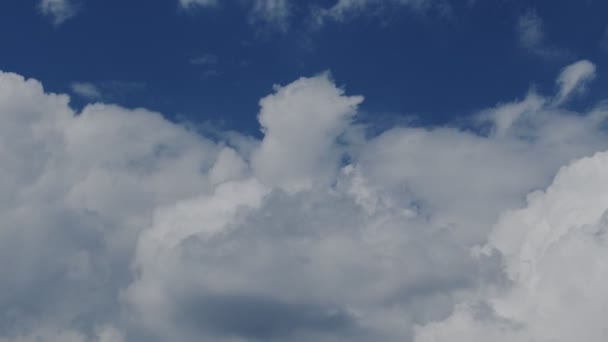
<point x="438" y="64"/>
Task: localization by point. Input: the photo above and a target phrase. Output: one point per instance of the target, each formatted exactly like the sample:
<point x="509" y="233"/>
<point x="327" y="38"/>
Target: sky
<point x="281" y="170"/>
<point x="211" y="62"/>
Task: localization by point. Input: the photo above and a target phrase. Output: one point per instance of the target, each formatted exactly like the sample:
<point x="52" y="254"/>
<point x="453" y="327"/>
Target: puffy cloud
<point x="141" y="229"/>
<point x="58" y="10"/>
<point x="306" y="116"/>
<point x="76" y="189"/>
<point x="554" y="253"/>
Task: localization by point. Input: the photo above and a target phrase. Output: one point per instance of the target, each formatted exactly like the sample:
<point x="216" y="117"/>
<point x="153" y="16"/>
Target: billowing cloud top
<point x="120" y="225"/>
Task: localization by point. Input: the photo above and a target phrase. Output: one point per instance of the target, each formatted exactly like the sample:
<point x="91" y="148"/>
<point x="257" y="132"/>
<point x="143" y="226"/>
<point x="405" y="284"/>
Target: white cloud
<point x="306" y="116"/>
<point x="531" y="35"/>
<point x="343" y="10"/>
<point x="554" y="253"/>
<point x="86" y="90"/>
<point x="58" y="10"/>
<point x="574" y="79"/>
<point x="143" y="230"/>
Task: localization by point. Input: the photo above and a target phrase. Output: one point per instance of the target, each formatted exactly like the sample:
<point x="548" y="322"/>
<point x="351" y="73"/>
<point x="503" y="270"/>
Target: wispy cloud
<point x="574" y="79"/>
<point x="344" y="10"/>
<point x="205" y="59"/>
<point x="58" y="10"/>
<point x="531" y="36"/>
<point x="86" y="90"/>
<point x="271" y="12"/>
<point x="190" y="4"/>
<point x="106" y="90"/>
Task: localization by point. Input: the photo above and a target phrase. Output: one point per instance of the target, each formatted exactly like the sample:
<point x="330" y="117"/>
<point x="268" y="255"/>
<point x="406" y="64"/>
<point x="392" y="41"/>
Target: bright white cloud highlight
<point x="554" y="253"/>
<point x="142" y="229"/>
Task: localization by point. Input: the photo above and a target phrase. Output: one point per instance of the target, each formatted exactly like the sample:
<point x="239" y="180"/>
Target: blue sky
<point x="282" y="170"/>
<point x="438" y="63"/>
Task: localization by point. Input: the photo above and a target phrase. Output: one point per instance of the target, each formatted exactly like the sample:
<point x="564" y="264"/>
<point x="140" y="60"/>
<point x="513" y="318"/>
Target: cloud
<point x="554" y="253"/>
<point x="86" y="90"/>
<point x="271" y="12"/>
<point x="574" y="79"/>
<point x="308" y="115"/>
<point x="277" y="14"/>
<point x="119" y="225"/>
<point x="344" y="10"/>
<point x="531" y="35"/>
<point x="190" y="4"/>
<point x="106" y="90"/>
<point x="58" y="10"/>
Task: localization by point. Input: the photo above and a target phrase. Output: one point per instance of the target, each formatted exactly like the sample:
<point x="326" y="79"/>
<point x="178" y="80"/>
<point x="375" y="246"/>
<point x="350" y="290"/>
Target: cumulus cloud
<point x="554" y="253"/>
<point x="141" y="229"/>
<point x="306" y="116"/>
<point x="531" y="36"/>
<point x="58" y="10"/>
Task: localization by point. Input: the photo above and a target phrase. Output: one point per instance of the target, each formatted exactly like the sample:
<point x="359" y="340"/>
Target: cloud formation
<point x="531" y="36"/>
<point x="554" y="253"/>
<point x="141" y="229"/>
<point x="272" y="12"/>
<point x="58" y="10"/>
<point x="187" y="4"/>
<point x="87" y="90"/>
<point x="574" y="79"/>
<point x="342" y="10"/>
<point x="277" y="13"/>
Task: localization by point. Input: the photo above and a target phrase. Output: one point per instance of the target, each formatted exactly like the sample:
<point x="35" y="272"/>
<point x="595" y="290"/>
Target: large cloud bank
<point x="119" y="225"/>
